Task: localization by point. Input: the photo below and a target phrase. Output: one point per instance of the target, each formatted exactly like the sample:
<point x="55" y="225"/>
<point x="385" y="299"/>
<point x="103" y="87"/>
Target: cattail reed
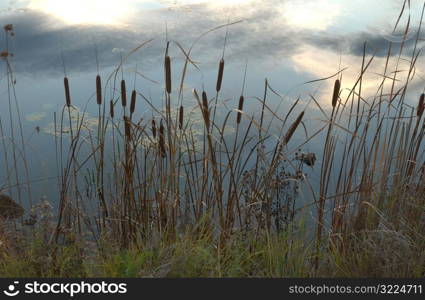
<point x="195" y="93"/>
<point x="167" y="65"/>
<point x="240" y="107"/>
<point x="335" y="96"/>
<point x="133" y="102"/>
<point x="220" y="75"/>
<point x="154" y="128"/>
<point x="111" y="109"/>
<point x="181" y="113"/>
<point x="421" y="106"/>
<point x="161" y="139"/>
<point x="292" y="129"/>
<point x="123" y="94"/>
<point x="205" y="109"/>
<point x="127" y="127"/>
<point x="98" y="90"/>
<point x="67" y="93"/>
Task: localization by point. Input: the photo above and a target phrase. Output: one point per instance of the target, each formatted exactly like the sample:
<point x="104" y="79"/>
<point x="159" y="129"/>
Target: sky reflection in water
<point x="289" y="42"/>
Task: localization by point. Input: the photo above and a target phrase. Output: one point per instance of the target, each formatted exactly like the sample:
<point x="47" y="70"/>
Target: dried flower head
<point x="8" y="27"/>
<point x="307" y="158"/>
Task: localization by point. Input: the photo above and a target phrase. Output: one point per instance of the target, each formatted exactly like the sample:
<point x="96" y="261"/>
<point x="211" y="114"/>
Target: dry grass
<point x="245" y="196"/>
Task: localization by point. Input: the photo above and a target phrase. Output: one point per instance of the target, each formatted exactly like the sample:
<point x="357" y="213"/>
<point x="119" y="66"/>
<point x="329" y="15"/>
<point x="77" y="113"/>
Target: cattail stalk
<point x="98" y="90"/>
<point x="292" y="129"/>
<point x="167" y="65"/>
<point x="161" y="140"/>
<point x="218" y="85"/>
<point x="67" y="93"/>
<point x="220" y="75"/>
<point x="205" y="109"/>
<point x="123" y="94"/>
<point x="335" y="95"/>
<point x="240" y="107"/>
<point x="133" y="102"/>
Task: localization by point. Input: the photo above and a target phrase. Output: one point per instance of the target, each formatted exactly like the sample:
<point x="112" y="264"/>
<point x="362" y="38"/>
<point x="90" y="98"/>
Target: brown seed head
<point x="220" y="75"/>
<point x="133" y="102"/>
<point x="240" y="107"/>
<point x="292" y="129"/>
<point x="161" y="139"/>
<point x="335" y="95"/>
<point x="123" y="94"/>
<point x="67" y="92"/>
<point x="205" y="109"/>
<point x="167" y="64"/>
<point x="98" y="90"/>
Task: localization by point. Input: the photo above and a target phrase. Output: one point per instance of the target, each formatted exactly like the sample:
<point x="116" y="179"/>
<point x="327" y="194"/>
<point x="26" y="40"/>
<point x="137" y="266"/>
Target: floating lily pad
<point x="35" y="116"/>
<point x="47" y="106"/>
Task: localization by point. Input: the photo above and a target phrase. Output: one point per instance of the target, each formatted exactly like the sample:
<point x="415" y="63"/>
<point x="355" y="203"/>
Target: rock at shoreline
<point x="9" y="209"/>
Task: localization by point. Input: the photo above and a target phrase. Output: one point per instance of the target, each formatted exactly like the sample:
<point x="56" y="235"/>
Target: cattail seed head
<point x="161" y="139"/>
<point x="133" y="102"/>
<point x="123" y="94"/>
<point x="67" y="93"/>
<point x="204" y="100"/>
<point x="154" y="128"/>
<point x="335" y="95"/>
<point x="111" y="109"/>
<point x="292" y="129"/>
<point x="167" y="65"/>
<point x="421" y="106"/>
<point x="205" y="109"/>
<point x="240" y="107"/>
<point x="220" y="75"/>
<point x="181" y="113"/>
<point x="98" y="90"/>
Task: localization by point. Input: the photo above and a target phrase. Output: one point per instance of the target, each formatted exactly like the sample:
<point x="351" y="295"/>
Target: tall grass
<point x="214" y="206"/>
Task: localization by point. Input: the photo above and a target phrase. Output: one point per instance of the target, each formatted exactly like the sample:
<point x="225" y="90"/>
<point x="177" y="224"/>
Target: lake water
<point x="288" y="42"/>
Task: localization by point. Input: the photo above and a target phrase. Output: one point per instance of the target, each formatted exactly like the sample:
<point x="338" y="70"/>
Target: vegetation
<point x="171" y="202"/>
